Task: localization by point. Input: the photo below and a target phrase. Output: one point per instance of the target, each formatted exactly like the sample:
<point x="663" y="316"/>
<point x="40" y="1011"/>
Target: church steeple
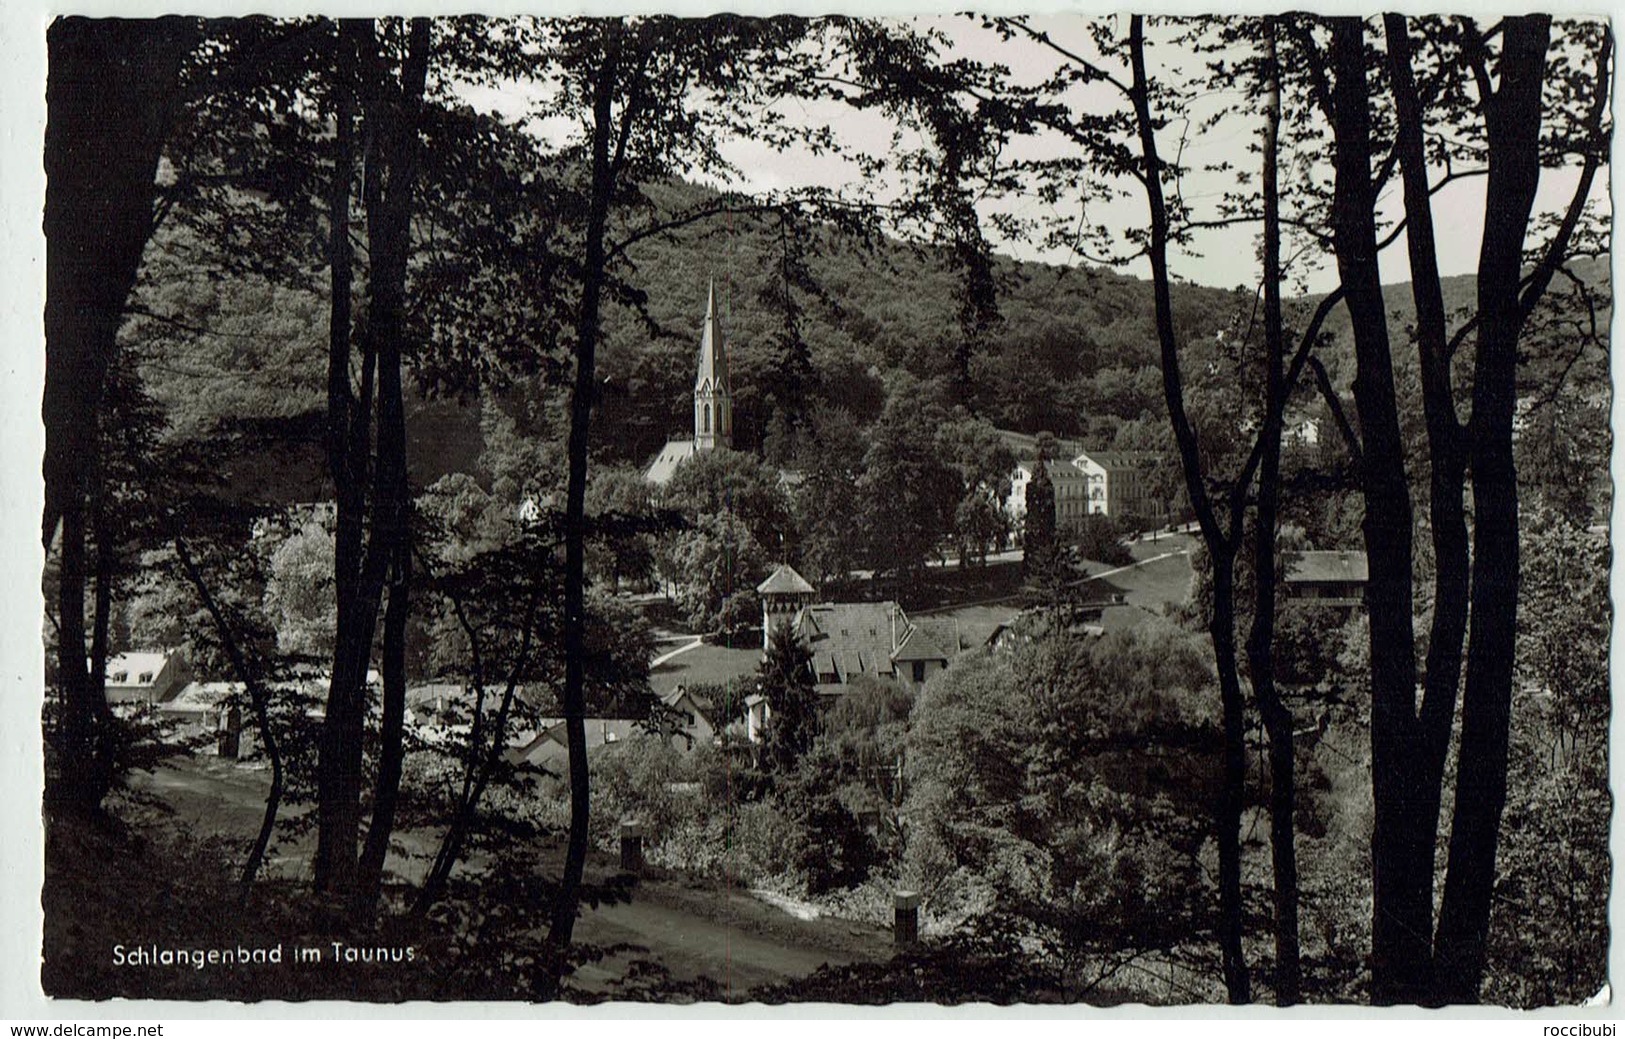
<point x="713" y="398"/>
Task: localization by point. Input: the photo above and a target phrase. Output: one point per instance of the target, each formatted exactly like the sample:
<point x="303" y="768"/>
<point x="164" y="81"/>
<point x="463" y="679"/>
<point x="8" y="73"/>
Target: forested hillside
<point x="1074" y="355"/>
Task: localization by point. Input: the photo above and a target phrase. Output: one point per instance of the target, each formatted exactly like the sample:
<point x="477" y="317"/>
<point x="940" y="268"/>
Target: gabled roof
<point x="930" y="638"/>
<point x="785" y="581"/>
<point x="851" y="638"/>
<point x="444" y="697"/>
<point x="675" y="698"/>
<point x="1325" y="567"/>
<point x="197" y="697"/>
<point x="664" y="465"/>
<point x="713" y="373"/>
<point x="550" y="742"/>
<point x="1056" y="470"/>
<point x="133" y="665"/>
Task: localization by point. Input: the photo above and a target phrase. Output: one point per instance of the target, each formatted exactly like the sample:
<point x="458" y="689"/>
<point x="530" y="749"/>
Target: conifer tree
<point x="786" y="681"/>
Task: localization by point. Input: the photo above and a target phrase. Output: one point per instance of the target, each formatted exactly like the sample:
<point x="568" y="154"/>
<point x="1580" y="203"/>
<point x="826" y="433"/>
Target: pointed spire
<point x="713" y="404"/>
<point x="713" y="354"/>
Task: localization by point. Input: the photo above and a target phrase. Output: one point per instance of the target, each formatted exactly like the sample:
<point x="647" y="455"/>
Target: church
<point x="713" y="401"/>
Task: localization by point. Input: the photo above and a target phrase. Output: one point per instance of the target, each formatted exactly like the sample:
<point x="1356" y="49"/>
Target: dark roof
<point x="1120" y="459"/>
<point x="1324" y="567"/>
<point x="850" y="638"/>
<point x="785" y="581"/>
<point x="705" y="707"/>
<point x="1057" y="469"/>
<point x="933" y="638"/>
<point x="441" y="696"/>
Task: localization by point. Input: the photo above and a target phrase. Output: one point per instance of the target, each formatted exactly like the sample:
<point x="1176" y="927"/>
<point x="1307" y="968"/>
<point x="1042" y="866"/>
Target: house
<point x="873" y="638"/>
<point x="204" y="709"/>
<point x="1300" y="438"/>
<point x="1119" y="484"/>
<point x="1334" y="579"/>
<point x="691" y="720"/>
<point x="442" y="702"/>
<point x="548" y="748"/>
<point x="713" y="402"/>
<point x="1110" y="483"/>
<point x="847" y="639"/>
<point x="1071" y="492"/>
<point x="145" y="676"/>
<point x="1304" y="441"/>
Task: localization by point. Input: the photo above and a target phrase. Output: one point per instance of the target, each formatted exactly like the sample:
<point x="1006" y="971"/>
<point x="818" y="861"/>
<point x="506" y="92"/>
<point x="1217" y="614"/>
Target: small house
<point x="146" y="676"/>
<point x="1333" y="579"/>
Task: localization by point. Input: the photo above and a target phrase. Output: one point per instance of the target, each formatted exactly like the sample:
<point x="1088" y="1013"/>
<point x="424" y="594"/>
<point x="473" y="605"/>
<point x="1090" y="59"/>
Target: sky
<point x="1224" y="258"/>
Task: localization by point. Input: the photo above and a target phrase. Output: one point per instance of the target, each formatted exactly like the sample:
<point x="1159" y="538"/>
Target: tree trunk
<point x="78" y="785"/>
<point x="253" y="681"/>
<point x="575" y="619"/>
<point x="339" y="761"/>
<point x="1401" y="848"/>
<point x="394" y="117"/>
<point x="110" y="93"/>
<point x="1513" y="121"/>
<point x="1238" y="986"/>
<point x="1222" y="630"/>
<point x="1261" y="640"/>
<point x="1446" y="444"/>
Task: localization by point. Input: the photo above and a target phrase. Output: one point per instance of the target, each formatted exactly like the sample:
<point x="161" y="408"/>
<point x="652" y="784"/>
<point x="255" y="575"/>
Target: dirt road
<point x="689" y="931"/>
<point x="728" y="938"/>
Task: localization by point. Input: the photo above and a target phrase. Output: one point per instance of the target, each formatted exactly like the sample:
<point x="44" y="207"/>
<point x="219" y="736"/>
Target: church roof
<point x="665" y="464"/>
<point x="713" y="373"/>
<point x="785" y="581"/>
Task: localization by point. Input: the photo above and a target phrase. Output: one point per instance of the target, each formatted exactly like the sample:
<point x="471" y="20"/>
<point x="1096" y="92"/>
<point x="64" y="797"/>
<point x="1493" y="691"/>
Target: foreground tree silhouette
<point x="649" y="97"/>
<point x="366" y="445"/>
<point x="111" y="94"/>
<point x="1514" y="130"/>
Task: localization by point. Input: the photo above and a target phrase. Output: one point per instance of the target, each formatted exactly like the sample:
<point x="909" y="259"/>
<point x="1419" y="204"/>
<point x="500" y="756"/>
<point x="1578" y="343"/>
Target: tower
<point x="783" y="594"/>
<point x="713" y="399"/>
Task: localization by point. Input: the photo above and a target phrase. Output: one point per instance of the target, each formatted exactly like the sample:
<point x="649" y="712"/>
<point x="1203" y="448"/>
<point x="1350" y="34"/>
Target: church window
<point x="705" y="418"/>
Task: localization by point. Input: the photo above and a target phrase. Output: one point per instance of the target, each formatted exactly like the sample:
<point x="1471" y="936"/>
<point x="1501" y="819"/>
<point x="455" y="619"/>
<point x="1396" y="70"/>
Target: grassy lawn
<point x="1149" y="584"/>
<point x="707" y="664"/>
<point x="943" y="586"/>
<point x="1148" y="587"/>
<point x="1164" y="543"/>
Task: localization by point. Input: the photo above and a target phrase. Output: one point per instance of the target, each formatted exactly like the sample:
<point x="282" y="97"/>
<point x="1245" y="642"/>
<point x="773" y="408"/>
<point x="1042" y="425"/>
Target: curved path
<point x="731" y="940"/>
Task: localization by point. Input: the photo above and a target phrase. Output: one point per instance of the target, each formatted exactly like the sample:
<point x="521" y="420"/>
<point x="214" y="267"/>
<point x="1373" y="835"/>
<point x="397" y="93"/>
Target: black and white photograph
<point x="1034" y="509"/>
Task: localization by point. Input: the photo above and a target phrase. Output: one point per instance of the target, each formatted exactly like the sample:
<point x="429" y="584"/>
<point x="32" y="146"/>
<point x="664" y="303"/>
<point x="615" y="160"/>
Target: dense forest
<point x="1074" y="353"/>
